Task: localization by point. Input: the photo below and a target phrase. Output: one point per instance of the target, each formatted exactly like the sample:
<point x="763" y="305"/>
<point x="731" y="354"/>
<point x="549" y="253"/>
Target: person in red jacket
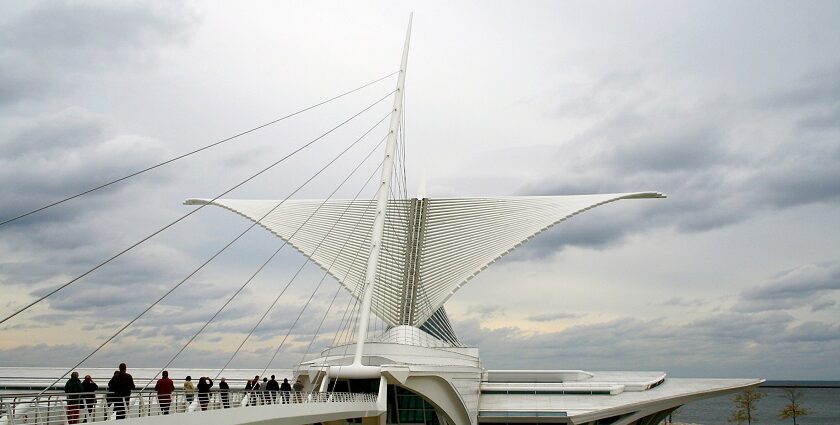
<point x="164" y="388"/>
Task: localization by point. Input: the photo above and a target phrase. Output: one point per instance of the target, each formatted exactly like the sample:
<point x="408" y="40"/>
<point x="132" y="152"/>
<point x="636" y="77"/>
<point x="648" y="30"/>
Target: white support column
<point x="382" y="203"/>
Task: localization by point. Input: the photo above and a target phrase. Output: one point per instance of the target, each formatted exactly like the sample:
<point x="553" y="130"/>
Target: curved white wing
<point x="461" y="237"/>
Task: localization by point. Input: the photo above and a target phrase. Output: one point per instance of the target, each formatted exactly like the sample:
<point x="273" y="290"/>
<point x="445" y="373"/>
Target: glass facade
<point x="404" y="406"/>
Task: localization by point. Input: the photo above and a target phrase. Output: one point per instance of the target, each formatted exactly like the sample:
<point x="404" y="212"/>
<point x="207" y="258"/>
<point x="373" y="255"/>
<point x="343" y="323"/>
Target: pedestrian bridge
<point x="230" y="407"/>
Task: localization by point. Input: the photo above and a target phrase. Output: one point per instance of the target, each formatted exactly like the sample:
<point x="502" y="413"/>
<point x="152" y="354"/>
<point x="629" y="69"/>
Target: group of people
<point x="267" y="391"/>
<point x="165" y="387"/>
<point x="81" y="394"/>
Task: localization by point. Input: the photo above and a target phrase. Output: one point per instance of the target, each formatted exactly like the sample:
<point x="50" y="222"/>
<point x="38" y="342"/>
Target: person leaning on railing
<point x="285" y="390"/>
<point x="253" y="398"/>
<point x="89" y="388"/>
<point x="73" y="387"/>
<point x="224" y="390"/>
<point x="121" y="385"/>
<point x="204" y="385"/>
<point x="111" y="397"/>
<point x="164" y="388"/>
<point x="189" y="392"/>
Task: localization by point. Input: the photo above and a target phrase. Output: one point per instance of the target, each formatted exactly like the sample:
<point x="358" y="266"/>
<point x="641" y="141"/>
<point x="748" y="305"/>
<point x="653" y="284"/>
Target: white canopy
<point x="461" y="237"/>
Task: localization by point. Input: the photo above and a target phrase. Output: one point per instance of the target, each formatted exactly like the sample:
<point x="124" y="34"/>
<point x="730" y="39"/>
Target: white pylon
<point x="382" y="203"/>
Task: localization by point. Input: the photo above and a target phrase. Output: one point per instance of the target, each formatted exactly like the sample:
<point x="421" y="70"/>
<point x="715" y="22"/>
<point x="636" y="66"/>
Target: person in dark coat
<point x="111" y="397"/>
<point x="204" y="385"/>
<point x="285" y="390"/>
<point x="297" y="388"/>
<point x="255" y="391"/>
<point x="164" y="388"/>
<point x="73" y="387"/>
<point x="224" y="393"/>
<point x="89" y="388"/>
<point x="121" y="384"/>
<point x="253" y="400"/>
<point x="249" y="385"/>
<point x="272" y="387"/>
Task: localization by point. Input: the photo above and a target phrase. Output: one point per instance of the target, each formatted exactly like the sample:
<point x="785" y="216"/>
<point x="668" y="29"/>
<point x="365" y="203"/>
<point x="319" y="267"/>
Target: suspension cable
<point x="348" y="328"/>
<point x="192" y="152"/>
<point x="254" y="224"/>
<point x="285" y="242"/>
<point x="351" y="331"/>
<point x="320" y="324"/>
<point x="341" y="324"/>
<point x="288" y="332"/>
<point x="276" y="299"/>
<point x="326" y="273"/>
<point x="352" y="263"/>
<point x="329" y="232"/>
<point x="253" y="176"/>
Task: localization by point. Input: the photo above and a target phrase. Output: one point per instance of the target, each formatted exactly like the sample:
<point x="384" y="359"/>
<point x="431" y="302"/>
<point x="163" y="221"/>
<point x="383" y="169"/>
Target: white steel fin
<point x="462" y="237"/>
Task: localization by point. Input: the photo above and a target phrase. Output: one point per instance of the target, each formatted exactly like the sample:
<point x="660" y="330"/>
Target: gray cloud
<point x="751" y="343"/>
<point x="46" y="52"/>
<point x="823" y="305"/>
<point x="486" y="311"/>
<point x="54" y="45"/>
<point x="803" y="286"/>
<point x="681" y="302"/>
<point x="550" y="317"/>
<point x="53" y="156"/>
<point x="754" y="337"/>
<point x="819" y="88"/>
<point x="146" y="354"/>
<point x="701" y="156"/>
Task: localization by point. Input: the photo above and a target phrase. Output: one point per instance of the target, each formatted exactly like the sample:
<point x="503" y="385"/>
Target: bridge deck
<point x="238" y="407"/>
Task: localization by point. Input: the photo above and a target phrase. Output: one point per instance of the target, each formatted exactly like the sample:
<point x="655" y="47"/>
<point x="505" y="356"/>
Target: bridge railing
<point x="58" y="408"/>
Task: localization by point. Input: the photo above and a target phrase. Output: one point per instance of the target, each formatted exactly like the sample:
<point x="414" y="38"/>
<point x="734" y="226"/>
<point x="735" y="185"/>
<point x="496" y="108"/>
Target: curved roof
<point x="462" y="236"/>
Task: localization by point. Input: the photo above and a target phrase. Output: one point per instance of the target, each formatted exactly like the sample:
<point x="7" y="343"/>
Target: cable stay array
<point x="195" y="210"/>
<point x="277" y="251"/>
<point x="195" y="151"/>
<point x="239" y="236"/>
<point x="347" y="325"/>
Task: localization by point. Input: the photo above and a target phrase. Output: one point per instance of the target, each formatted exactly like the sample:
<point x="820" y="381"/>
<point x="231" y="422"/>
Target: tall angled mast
<point x="382" y="202"/>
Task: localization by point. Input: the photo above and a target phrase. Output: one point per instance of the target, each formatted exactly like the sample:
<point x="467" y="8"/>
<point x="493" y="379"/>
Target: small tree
<point x="746" y="403"/>
<point x="794" y="407"/>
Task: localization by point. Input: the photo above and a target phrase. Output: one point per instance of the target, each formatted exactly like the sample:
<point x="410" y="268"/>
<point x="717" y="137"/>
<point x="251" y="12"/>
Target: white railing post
<point x="10" y="412"/>
<point x="37" y="413"/>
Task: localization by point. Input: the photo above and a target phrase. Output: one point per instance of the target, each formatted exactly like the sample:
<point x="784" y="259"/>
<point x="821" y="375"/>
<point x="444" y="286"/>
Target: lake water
<point x="823" y="403"/>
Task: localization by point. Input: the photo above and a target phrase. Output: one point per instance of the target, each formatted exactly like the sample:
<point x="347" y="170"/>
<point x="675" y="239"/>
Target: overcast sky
<point x="730" y="108"/>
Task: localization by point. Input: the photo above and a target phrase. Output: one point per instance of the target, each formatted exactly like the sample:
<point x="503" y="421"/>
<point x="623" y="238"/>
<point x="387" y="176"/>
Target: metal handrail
<point x="58" y="408"/>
